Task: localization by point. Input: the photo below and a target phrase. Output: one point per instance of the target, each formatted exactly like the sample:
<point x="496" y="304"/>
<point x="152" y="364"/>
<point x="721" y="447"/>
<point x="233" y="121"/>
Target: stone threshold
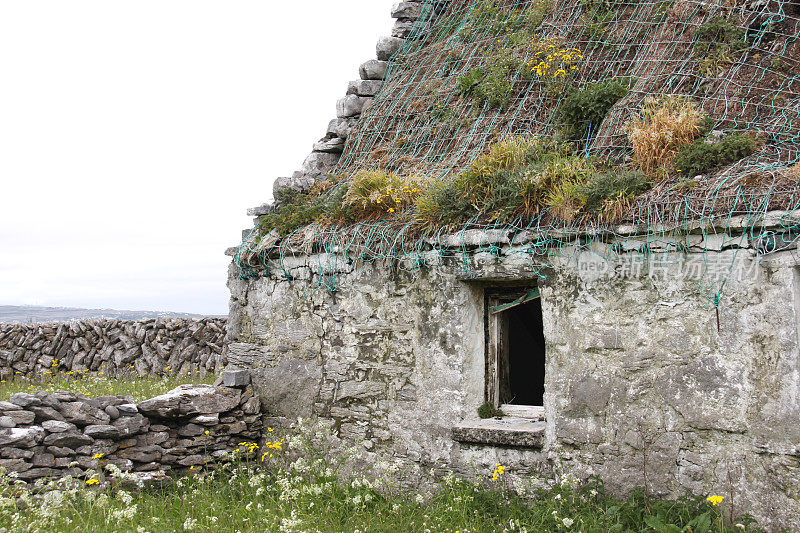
<point x="506" y="431"/>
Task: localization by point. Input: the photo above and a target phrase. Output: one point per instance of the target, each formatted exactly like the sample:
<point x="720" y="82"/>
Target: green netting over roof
<point x="419" y="122"/>
<point x="739" y="60"/>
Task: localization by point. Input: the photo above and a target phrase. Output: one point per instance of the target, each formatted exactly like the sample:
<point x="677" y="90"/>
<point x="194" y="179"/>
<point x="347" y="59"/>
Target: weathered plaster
<point x="640" y="382"/>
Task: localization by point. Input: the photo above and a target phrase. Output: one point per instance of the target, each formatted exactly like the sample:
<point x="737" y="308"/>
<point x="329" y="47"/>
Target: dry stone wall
<point x="145" y="347"/>
<point x="46" y="435"/>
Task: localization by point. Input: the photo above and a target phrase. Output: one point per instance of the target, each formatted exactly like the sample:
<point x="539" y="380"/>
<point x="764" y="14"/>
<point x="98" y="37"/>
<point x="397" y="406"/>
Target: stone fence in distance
<point x="154" y="347"/>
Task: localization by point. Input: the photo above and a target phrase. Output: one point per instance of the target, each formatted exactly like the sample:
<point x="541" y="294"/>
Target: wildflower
<point x="499" y="470"/>
<point x="92" y="482"/>
<point x="715" y="500"/>
<point x="568" y="521"/>
<point x="98" y="456"/>
<point x="206" y="432"/>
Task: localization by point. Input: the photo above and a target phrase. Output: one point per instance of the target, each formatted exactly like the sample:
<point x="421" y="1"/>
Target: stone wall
<point x="640" y="384"/>
<point x="146" y="347"/>
<point x="54" y="435"/>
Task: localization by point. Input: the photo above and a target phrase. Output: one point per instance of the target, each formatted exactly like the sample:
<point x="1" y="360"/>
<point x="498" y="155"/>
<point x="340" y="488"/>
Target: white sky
<point x="134" y="135"/>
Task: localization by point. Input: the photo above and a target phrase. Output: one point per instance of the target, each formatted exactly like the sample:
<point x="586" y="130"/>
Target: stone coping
<point x="506" y="431"/>
<point x="713" y="225"/>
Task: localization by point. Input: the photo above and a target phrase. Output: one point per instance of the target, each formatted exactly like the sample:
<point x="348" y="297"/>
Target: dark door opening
<point x="525" y="354"/>
<point x="516" y="348"/>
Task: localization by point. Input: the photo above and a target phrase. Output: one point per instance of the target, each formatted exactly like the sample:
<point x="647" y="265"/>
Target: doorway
<point x="516" y="348"/>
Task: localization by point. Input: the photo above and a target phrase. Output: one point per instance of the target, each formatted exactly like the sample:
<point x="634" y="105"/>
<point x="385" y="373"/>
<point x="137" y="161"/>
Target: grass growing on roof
<point x="584" y="110"/>
<point x="376" y="193"/>
<point x="662" y="128"/>
<point x="701" y="157"/>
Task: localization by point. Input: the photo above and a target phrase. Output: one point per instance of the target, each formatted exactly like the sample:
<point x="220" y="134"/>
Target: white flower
<point x="568" y="521"/>
<point x="190" y="523"/>
<point x="419" y="498"/>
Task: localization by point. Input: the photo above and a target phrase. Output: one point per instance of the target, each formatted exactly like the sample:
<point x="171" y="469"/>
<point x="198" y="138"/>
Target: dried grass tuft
<point x="662" y="129"/>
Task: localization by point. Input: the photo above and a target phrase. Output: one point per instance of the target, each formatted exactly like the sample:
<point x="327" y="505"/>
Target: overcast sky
<point x="134" y="135"/>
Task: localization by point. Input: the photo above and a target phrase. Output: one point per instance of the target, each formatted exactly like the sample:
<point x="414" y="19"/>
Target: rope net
<point x="472" y="72"/>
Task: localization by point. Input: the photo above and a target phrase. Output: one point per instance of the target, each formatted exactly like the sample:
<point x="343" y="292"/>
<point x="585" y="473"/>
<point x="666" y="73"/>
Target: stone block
<point x="407" y="10"/>
<point x="21" y="418"/>
<point x="252" y="406"/>
<point x="44" y="412"/>
<point x="44" y="460"/>
<point x="373" y="70"/>
<point x="24" y="400"/>
<point x="402" y="28"/>
<point x="260" y="210"/>
<point x="68" y="439"/>
<point x="236" y="378"/>
<point x="84" y="413"/>
<point x="339" y="127"/>
<point x="334" y="145"/>
<point x="190" y="400"/>
<point x="350" y="106"/>
<point x="21" y="437"/>
<point x="7" y="422"/>
<point x="364" y="87"/>
<point x="289" y="388"/>
<point x="15" y="465"/>
<point x="58" y="426"/>
<point x="387" y="47"/>
<point x="360" y="389"/>
<point x="127" y="409"/>
<point x="206" y="420"/>
<point x="131" y="425"/>
<point x="15" y="453"/>
<point x="102" y="432"/>
<point x="318" y="164"/>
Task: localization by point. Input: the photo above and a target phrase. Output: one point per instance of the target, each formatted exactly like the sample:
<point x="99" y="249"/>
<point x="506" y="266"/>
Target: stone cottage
<point x="654" y="351"/>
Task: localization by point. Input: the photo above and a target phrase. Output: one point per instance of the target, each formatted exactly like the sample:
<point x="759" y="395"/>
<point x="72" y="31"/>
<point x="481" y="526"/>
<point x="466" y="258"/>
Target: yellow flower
<point x="98" y="456"/>
<point x="715" y="500"/>
<point x="206" y="432"/>
<point x="92" y="482"/>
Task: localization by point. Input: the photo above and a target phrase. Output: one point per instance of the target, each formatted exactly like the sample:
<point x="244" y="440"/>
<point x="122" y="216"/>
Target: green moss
<point x="612" y="184"/>
<point x="719" y="41"/>
<point x="701" y="158"/>
<point x="583" y="111"/>
<point x="301" y="209"/>
<point x="487" y="410"/>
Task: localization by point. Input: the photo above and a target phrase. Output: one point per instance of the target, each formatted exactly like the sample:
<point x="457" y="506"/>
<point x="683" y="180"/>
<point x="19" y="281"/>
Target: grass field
<point x="97" y="384"/>
<point x="268" y="493"/>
